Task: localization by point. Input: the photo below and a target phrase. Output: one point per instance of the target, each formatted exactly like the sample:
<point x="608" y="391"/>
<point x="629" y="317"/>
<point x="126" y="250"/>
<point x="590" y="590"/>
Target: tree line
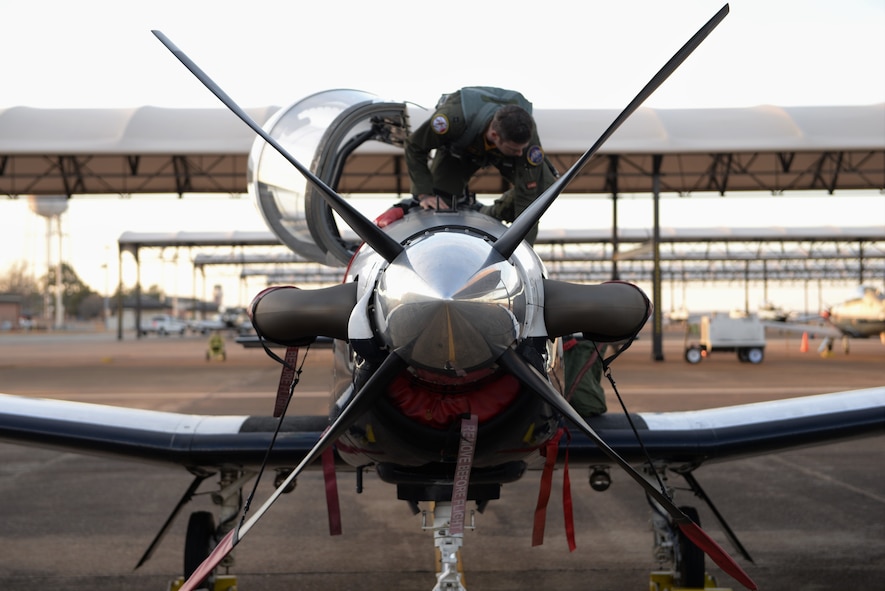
<point x="79" y="300"/>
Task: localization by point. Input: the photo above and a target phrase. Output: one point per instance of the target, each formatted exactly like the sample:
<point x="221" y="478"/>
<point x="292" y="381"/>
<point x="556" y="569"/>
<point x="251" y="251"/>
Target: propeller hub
<point x="450" y="303"/>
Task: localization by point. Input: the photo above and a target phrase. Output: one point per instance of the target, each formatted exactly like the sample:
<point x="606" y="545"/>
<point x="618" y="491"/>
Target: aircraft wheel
<point x="199" y="541"/>
<point x="690" y="566"/>
<point x="693" y="355"/>
<point x="755" y="355"/>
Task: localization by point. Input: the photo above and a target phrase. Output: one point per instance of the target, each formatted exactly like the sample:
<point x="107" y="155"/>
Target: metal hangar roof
<point x="154" y="150"/>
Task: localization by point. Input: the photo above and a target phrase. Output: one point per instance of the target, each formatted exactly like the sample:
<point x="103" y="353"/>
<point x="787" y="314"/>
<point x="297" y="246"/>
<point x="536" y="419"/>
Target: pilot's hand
<point x="432" y="202"/>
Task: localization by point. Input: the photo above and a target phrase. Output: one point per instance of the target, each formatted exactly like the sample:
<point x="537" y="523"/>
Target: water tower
<point x="51" y="207"/>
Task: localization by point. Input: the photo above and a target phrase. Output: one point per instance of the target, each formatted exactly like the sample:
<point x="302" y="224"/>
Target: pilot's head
<point x="511" y="130"/>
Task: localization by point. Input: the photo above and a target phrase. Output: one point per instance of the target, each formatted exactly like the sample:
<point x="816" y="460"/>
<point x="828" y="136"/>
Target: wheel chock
<point x="222" y="583"/>
<point x="663" y="580"/>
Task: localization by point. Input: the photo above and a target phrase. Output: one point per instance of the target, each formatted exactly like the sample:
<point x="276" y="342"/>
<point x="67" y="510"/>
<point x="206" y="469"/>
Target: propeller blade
<point x="522" y="225"/>
<point x="374" y="236"/>
<point x="529" y="376"/>
<point x="362" y="400"/>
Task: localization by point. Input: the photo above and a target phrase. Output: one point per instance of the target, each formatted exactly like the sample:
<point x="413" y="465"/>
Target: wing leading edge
<point x="687" y="438"/>
<point x="690" y="438"/>
<point x="164" y="437"/>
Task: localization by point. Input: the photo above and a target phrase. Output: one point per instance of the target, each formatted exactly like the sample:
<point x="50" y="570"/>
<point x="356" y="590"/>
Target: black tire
<point x="693" y="355"/>
<point x="690" y="566"/>
<point x="198" y="543"/>
<point x="742" y="355"/>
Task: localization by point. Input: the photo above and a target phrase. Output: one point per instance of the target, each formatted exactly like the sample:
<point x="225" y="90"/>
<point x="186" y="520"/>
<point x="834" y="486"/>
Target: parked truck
<point x="163" y="324"/>
<point x="746" y="336"/>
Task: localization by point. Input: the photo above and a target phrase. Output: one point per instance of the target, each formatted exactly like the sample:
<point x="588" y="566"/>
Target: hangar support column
<point x="119" y="293"/>
<point x="612" y="185"/>
<point x="657" y="346"/>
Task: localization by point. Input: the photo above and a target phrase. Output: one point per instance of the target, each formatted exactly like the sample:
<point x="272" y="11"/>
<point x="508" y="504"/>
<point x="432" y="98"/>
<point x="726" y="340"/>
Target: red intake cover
<point x="438" y="405"/>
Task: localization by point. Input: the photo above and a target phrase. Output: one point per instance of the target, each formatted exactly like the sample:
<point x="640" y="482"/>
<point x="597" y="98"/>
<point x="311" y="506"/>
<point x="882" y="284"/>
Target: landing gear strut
<point x="448" y="545"/>
<point x="672" y="547"/>
<point x="203" y="535"/>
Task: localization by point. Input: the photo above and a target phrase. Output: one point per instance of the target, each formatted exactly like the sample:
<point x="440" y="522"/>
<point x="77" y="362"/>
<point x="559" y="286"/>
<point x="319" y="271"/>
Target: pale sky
<point x="559" y="53"/>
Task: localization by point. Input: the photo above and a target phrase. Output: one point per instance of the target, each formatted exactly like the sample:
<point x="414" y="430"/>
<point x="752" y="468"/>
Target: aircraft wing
<point x="686" y="438"/>
<point x="818" y="330"/>
<point x="164" y="437"/>
<point x="690" y="438"/>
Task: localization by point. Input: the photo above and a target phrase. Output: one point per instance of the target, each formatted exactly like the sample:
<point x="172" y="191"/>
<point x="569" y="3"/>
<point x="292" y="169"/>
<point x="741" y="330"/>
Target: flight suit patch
<point x="535" y="155"/>
<point x="440" y="124"/>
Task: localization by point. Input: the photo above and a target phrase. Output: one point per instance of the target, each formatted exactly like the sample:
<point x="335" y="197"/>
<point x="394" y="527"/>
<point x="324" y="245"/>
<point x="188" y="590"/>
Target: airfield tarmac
<point x="813" y="519"/>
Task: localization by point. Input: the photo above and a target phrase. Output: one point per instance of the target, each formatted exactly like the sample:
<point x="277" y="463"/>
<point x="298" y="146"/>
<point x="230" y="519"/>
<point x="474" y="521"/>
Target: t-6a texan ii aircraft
<point x="860" y="317"/>
<point x="446" y="332"/>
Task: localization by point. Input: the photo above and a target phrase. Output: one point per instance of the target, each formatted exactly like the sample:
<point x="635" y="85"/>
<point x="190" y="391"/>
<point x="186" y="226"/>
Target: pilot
<point x="472" y="128"/>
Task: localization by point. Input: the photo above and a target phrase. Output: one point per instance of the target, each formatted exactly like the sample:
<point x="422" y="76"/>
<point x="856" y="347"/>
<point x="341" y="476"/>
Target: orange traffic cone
<point x="803" y="348"/>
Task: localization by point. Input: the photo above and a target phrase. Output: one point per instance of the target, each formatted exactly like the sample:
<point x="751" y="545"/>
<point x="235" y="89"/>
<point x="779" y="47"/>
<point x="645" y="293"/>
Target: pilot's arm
<point x="447" y="174"/>
<point x="418" y="146"/>
<point x="529" y="176"/>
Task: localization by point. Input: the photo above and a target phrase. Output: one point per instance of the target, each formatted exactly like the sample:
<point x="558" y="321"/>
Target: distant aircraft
<point x="446" y="336"/>
<point x="859" y="317"/>
<point x="769" y="311"/>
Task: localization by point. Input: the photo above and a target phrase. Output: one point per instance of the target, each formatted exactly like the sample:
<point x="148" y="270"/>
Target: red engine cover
<point x="439" y="403"/>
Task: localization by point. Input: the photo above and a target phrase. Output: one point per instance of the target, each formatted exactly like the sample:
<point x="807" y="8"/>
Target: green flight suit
<point x="582" y="364"/>
<point x="456" y="131"/>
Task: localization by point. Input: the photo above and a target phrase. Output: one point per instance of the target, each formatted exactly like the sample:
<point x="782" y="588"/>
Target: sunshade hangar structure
<point x="155" y="150"/>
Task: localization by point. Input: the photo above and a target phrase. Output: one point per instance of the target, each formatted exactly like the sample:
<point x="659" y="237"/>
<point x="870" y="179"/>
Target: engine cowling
<point x="291" y="316"/>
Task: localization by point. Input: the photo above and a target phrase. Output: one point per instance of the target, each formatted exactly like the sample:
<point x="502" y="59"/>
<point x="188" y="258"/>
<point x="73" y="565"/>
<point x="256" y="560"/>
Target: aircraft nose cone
<point x="450" y="304"/>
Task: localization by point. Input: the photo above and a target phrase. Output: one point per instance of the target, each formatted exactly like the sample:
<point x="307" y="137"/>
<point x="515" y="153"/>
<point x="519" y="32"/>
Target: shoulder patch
<point x="535" y="155"/>
<point x="440" y="124"/>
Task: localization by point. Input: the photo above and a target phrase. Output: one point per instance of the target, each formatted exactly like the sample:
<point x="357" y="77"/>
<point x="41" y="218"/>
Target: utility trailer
<point x="746" y="336"/>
